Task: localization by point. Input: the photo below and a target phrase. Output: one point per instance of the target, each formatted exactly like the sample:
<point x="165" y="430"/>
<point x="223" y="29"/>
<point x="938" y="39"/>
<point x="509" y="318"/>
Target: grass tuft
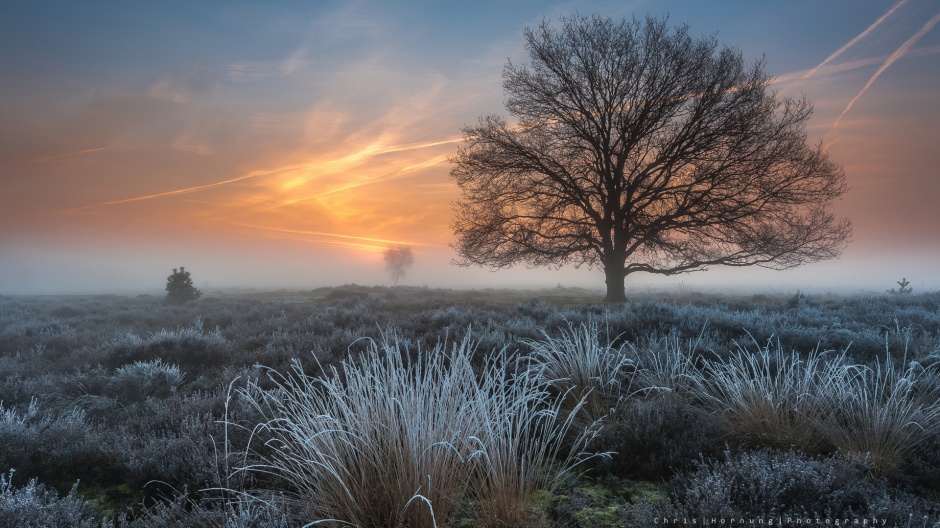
<point x="389" y="441"/>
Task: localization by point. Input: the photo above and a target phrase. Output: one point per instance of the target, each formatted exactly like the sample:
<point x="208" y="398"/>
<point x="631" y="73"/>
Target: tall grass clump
<point x="776" y="399"/>
<point x="525" y="440"/>
<point x="386" y="440"/>
<point x="374" y="443"/>
<point x="886" y="415"/>
<point x="668" y="368"/>
<point x="585" y="365"/>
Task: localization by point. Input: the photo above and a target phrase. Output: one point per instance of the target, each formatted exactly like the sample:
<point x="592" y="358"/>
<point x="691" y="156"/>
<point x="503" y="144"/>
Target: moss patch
<point x="611" y="503"/>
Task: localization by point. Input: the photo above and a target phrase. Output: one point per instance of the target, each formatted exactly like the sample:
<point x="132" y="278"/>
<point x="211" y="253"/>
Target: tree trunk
<point x="615" y="279"/>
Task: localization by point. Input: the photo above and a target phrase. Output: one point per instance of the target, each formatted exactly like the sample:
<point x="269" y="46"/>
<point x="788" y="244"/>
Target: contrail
<point x="187" y="190"/>
<point x="889" y="61"/>
<point x="336" y="235"/>
<point x="367" y="152"/>
<point x="76" y="153"/>
<point x="859" y="37"/>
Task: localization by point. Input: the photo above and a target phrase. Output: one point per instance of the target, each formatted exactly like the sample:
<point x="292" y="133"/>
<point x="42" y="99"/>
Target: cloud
<point x="183" y="84"/>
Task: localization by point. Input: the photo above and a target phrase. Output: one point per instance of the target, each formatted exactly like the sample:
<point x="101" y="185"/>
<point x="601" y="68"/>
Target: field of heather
<point x="414" y="407"/>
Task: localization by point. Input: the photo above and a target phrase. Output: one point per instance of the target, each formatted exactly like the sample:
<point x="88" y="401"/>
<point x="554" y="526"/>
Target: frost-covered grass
<point x="585" y="364"/>
<point x="387" y="440"/>
<point x="129" y="397"/>
<point x="772" y="398"/>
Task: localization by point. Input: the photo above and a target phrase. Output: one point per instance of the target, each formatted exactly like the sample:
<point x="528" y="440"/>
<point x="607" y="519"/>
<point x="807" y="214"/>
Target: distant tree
<point x="637" y="148"/>
<point x="179" y="287"/>
<point x="905" y="287"/>
<point x="397" y="261"/>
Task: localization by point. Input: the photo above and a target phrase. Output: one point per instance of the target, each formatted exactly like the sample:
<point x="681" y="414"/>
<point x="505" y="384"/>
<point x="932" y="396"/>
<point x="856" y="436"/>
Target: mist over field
<point x="286" y="146"/>
<point x="135" y="272"/>
<point x="344" y="264"/>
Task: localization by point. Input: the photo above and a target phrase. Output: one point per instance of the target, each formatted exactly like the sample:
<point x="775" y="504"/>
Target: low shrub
<point x="145" y="379"/>
<point x="776" y="484"/>
<point x="654" y="438"/>
<point x="35" y="506"/>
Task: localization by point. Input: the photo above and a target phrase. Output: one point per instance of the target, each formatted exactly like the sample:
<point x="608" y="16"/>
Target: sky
<point x="287" y="144"/>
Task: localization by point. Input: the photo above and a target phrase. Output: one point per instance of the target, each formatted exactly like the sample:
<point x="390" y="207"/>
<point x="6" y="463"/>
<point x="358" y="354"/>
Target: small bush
<point x="145" y="379"/>
<point x="655" y="438"/>
<point x="179" y="287"/>
<point x="34" y="506"/>
<point x="191" y="347"/>
<point x="772" y="484"/>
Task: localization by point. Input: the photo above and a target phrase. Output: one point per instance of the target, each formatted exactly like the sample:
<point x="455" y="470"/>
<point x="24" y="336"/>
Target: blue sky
<point x="283" y="144"/>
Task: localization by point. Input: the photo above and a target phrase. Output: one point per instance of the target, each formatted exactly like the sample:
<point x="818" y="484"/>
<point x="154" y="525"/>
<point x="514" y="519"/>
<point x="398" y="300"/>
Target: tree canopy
<point x="636" y="147"/>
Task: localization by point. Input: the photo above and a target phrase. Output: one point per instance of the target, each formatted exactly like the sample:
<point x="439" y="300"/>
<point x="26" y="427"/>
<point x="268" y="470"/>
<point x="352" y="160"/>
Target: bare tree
<point x="397" y="261"/>
<point x="637" y="148"/>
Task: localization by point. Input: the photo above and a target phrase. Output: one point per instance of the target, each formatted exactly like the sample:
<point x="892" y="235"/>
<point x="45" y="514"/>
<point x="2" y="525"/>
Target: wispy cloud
<point x="797" y="77"/>
<point x="245" y="70"/>
<point x="898" y="53"/>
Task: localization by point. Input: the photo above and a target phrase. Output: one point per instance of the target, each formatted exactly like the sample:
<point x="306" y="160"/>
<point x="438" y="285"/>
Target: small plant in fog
<point x="903" y="287"/>
<point x="397" y="261"/>
<point x="179" y="287"/>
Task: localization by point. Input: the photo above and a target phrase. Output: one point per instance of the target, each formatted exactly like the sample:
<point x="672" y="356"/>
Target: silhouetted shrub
<point x="179" y="287"/>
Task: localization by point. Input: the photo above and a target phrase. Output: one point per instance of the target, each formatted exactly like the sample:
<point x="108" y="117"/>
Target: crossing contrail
<point x="898" y="53"/>
<point x="857" y="38"/>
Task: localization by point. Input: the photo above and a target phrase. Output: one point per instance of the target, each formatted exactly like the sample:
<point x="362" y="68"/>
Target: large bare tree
<point x="639" y="148"/>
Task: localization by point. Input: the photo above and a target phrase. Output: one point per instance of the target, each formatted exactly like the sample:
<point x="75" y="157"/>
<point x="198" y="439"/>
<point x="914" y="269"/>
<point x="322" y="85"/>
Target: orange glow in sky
<point x="307" y="139"/>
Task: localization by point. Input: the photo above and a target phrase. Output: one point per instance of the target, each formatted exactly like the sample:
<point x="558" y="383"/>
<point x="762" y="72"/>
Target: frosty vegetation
<point x="418" y="407"/>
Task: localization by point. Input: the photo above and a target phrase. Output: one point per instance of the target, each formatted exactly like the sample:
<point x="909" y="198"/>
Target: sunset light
<point x="319" y="131"/>
<point x="488" y="263"/>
